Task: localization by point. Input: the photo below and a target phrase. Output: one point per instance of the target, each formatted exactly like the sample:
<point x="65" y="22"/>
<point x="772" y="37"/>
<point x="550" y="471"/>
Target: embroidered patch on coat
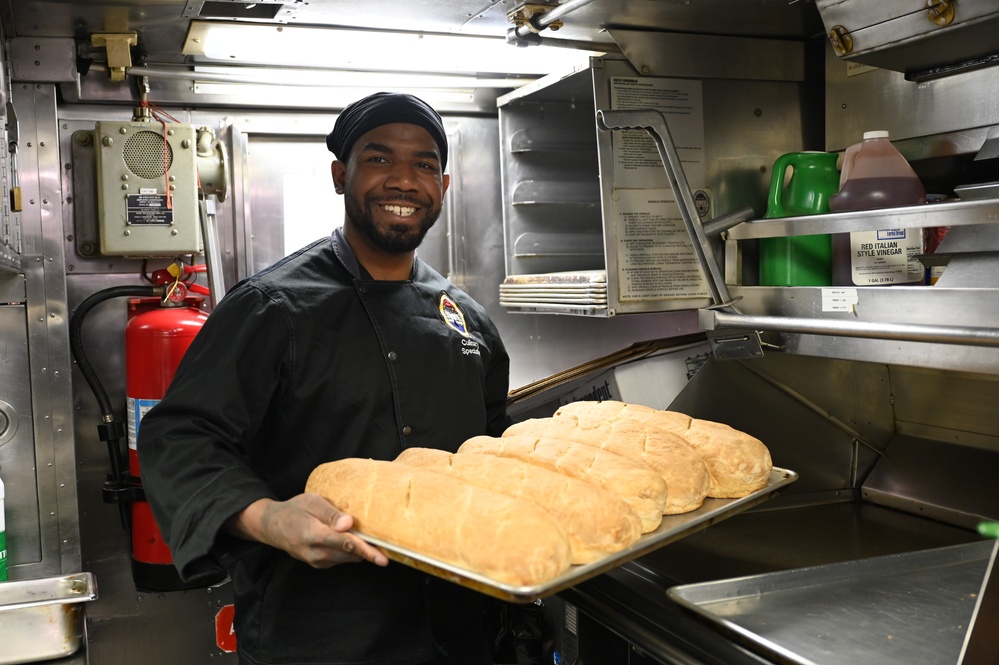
<point x="451" y="314"/>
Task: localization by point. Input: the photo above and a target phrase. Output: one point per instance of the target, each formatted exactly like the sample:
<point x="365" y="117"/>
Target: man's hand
<point x="308" y="527"/>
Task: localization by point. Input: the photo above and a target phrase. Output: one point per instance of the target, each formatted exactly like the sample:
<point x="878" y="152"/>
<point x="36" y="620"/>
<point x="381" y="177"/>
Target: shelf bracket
<point x="119" y="55"/>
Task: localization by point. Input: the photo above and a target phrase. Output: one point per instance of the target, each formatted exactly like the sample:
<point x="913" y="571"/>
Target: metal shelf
<point x="953" y="213"/>
<point x="916" y="326"/>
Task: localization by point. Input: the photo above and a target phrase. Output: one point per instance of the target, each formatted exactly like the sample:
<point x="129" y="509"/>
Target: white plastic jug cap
<point x="876" y="134"/>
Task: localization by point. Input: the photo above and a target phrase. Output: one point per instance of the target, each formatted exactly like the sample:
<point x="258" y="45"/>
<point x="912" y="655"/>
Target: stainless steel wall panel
<point x="10" y="220"/>
<point x="956" y="406"/>
<point x="656" y="53"/>
<point x="808" y="428"/>
<point x="748" y="125"/>
<point x="856" y="398"/>
<point x="860" y="99"/>
<point x="12" y="288"/>
<point x="950" y="483"/>
<point x="43" y="59"/>
<point x="47" y="333"/>
<point x="474" y="239"/>
<point x="240" y="202"/>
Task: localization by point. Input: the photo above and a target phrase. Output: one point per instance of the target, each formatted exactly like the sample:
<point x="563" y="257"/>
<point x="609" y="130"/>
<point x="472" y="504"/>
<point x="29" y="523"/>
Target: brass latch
<point x="119" y="55"/>
<point x="941" y="12"/>
<point x="842" y="40"/>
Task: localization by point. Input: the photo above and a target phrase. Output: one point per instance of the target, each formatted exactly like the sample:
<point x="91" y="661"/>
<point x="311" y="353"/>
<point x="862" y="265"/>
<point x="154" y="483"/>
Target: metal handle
<point x="714" y="319"/>
<point x="654" y="122"/>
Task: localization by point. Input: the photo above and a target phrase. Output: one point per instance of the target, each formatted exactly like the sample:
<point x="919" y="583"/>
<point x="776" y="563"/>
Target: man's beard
<point x="399" y="239"/>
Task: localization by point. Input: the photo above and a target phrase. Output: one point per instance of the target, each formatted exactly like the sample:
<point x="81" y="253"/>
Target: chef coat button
<point x="392" y="355"/>
<point x="407" y="430"/>
<point x="362" y="289"/>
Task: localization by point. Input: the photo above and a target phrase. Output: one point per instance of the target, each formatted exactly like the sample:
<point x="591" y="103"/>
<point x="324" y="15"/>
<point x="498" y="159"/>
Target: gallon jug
<point x="876" y="175"/>
<point x="799" y="260"/>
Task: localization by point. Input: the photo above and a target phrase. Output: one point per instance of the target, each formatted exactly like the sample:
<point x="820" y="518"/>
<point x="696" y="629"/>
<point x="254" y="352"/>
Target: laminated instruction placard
<point x="637" y="164"/>
<point x="656" y="259"/>
<point x="655" y="256"/>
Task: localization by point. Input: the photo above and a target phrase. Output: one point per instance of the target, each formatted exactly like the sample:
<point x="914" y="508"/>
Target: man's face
<point x="392" y="186"/>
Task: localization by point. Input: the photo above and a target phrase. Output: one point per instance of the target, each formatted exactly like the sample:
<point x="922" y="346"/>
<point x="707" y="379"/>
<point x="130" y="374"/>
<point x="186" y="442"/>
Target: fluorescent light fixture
<point x="363" y="50"/>
<point x="331" y="97"/>
<point x="336" y="78"/>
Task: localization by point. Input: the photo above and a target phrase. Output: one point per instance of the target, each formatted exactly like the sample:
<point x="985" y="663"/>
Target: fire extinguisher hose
<point x="110" y="430"/>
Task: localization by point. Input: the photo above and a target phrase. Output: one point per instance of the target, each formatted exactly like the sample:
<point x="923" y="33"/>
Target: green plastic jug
<point x="799" y="260"/>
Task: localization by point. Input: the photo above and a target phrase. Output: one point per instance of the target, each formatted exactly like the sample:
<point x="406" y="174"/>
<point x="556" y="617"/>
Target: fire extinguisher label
<point x="137" y="408"/>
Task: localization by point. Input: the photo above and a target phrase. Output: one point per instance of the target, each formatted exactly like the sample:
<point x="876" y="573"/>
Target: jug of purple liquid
<point x="876" y="175"/>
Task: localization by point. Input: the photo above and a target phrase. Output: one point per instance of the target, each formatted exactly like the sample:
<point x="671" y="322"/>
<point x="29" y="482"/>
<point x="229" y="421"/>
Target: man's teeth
<point x="404" y="211"/>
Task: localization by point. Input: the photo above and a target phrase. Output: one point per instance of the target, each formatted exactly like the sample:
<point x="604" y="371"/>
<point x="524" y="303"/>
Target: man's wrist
<point x="248" y="523"/>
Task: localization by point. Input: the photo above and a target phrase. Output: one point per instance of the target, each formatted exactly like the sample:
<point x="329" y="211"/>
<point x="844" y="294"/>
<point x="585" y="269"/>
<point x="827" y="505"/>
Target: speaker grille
<point x="143" y="155"/>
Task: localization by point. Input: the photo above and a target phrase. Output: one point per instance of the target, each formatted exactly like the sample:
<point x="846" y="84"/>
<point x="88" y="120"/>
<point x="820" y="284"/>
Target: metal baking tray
<point x="984" y="190"/>
<point x="42" y="619"/>
<point x="900" y="609"/>
<point x="673" y="528"/>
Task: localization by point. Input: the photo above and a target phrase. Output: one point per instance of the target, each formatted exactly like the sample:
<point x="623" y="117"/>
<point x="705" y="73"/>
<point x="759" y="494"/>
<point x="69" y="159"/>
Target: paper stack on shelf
<point x="573" y="289"/>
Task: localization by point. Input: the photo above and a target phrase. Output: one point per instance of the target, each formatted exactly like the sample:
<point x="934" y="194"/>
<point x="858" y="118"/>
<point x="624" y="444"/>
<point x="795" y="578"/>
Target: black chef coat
<point x="307" y="362"/>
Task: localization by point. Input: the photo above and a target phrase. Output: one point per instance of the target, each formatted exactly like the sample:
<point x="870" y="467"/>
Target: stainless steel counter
<point x="906" y="608"/>
<point x="634" y="601"/>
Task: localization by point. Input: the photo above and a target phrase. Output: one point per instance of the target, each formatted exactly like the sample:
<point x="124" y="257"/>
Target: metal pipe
<point x="723" y="223"/>
<point x="906" y="332"/>
<point x="544" y="20"/>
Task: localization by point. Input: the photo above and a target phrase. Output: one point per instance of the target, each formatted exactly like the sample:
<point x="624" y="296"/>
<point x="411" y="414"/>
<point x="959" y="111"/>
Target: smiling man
<point x="391" y="153"/>
<point x="350" y="347"/>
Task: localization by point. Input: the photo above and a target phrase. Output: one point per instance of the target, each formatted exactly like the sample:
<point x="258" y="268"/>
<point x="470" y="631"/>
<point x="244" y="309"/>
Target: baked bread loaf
<point x="598" y="522"/>
<point x="675" y="420"/>
<point x="505" y="539"/>
<point x="641" y="487"/>
<point x="591" y="414"/>
<point x="631" y="433"/>
<point x="739" y="463"/>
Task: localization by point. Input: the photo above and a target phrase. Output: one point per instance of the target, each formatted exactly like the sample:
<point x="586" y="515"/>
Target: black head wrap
<point x="383" y="108"/>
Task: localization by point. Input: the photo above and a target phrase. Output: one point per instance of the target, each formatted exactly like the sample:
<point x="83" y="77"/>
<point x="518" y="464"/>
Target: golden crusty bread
<point x="675" y="420"/>
<point x="598" y="522"/>
<point x="634" y="436"/>
<point x="737" y="463"/>
<point x="508" y="540"/>
<point x="641" y="487"/>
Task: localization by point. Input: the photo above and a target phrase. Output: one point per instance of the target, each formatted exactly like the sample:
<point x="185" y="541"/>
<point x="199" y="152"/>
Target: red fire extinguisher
<point x="157" y="335"/>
